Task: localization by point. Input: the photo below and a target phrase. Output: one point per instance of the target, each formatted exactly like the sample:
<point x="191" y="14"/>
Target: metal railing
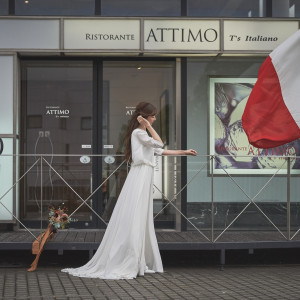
<point x="206" y="179"/>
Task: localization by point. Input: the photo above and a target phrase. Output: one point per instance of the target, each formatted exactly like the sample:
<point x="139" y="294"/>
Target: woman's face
<point x="151" y="119"/>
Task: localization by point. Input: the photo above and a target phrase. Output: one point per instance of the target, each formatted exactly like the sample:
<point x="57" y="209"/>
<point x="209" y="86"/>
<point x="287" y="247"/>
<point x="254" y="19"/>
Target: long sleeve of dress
<point x="146" y="140"/>
<point x="143" y="148"/>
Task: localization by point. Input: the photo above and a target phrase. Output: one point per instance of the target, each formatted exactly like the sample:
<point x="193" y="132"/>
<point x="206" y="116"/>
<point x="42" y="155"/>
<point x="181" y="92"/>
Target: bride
<point x="129" y="247"/>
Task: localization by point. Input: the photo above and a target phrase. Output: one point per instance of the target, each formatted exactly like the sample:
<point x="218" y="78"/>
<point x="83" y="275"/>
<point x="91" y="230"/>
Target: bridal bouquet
<point x="58" y="217"/>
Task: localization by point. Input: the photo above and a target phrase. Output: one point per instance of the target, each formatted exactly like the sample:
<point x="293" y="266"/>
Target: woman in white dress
<point x="129" y="247"/>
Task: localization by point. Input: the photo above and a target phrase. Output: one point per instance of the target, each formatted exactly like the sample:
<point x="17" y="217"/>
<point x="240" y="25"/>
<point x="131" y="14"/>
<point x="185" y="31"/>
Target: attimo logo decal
<point x="129" y="110"/>
<point x="57" y="112"/>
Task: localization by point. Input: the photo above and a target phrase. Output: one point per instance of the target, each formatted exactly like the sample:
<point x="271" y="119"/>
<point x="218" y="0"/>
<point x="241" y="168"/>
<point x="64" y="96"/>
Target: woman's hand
<point x="143" y="121"/>
<point x="190" y="152"/>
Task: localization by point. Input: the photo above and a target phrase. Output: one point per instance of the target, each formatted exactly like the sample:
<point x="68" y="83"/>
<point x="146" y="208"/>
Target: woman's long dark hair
<point x="145" y="110"/>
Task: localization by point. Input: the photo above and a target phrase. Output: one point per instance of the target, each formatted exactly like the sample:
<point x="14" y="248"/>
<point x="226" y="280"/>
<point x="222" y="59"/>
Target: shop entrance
<point x="75" y="109"/>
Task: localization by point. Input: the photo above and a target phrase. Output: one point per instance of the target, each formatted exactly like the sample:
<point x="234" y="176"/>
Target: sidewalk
<point x="235" y="282"/>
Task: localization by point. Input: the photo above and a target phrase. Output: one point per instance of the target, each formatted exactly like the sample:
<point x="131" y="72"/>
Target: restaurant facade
<point x="70" y="78"/>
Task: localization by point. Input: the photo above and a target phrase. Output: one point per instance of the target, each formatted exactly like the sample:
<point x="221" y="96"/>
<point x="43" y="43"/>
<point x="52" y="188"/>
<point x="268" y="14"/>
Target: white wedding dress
<point x="129" y="246"/>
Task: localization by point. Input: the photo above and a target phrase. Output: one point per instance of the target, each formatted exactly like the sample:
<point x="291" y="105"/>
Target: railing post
<point x="288" y="208"/>
<point x="212" y="161"/>
<point x="41" y="193"/>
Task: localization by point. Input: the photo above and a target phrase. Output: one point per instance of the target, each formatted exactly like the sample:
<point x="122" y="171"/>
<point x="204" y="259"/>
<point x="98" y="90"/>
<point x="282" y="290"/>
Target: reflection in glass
<point x="295" y="205"/>
<point x="113" y="182"/>
<point x="7" y="94"/>
<point x="294" y="9"/>
<point x="56" y="95"/>
<point x="229" y="200"/>
<point x="289" y="8"/>
<point x="232" y="196"/>
<point x="125" y="84"/>
<point x="4" y="7"/>
<point x="55" y="7"/>
<point x="140" y="8"/>
<point x="229" y="8"/>
<point x="6" y="179"/>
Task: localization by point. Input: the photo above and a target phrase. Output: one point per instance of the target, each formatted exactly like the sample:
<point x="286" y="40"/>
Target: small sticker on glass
<point x="85" y="159"/>
<point x="109" y="159"/>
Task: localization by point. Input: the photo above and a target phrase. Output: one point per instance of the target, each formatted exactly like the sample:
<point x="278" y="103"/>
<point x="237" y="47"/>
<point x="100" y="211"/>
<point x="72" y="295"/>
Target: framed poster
<point x="228" y="141"/>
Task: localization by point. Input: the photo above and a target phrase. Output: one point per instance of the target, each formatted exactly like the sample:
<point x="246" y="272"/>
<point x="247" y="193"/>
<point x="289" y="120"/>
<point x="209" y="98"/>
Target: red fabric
<point x="266" y="119"/>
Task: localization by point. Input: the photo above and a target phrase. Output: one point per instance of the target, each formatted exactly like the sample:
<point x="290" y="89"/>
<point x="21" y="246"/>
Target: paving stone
<point x="251" y="282"/>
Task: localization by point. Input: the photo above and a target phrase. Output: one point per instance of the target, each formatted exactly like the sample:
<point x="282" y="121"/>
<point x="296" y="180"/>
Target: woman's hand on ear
<point x="143" y="121"/>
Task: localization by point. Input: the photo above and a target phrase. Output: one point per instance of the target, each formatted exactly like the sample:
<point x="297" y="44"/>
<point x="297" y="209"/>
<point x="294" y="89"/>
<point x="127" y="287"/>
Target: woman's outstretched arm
<point x="155" y="136"/>
<point x="180" y="152"/>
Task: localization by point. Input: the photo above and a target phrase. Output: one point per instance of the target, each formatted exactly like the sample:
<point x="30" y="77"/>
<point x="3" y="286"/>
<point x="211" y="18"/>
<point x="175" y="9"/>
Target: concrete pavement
<point x="184" y="282"/>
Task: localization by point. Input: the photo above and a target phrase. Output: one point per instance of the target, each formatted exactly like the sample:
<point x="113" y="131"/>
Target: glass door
<point x="74" y="108"/>
<point x="57" y="105"/>
<point x="125" y="83"/>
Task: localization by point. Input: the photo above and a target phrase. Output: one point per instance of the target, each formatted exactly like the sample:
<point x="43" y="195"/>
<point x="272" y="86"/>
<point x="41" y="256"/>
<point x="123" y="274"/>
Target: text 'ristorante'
<point x="111" y="37"/>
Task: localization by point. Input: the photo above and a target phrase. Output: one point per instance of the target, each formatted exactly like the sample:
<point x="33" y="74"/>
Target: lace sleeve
<point x="146" y="140"/>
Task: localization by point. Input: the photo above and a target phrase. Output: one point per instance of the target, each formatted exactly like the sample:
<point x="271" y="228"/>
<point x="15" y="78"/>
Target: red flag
<point x="272" y="114"/>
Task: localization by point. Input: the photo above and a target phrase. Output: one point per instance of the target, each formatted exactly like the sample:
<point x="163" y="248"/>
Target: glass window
<point x="295" y="8"/>
<point x="4" y="7"/>
<point x="280" y="8"/>
<point x="126" y="84"/>
<point x="55" y="7"/>
<point x="140" y="8"/>
<point x="229" y="8"/>
<point x="56" y="97"/>
<point x="290" y="8"/>
<point x="224" y="83"/>
<point x="6" y="99"/>
<point x="253" y="197"/>
<point x="57" y="118"/>
<point x="6" y="179"/>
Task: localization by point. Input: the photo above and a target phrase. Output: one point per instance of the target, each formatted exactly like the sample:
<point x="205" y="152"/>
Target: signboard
<point x="163" y="35"/>
<point x="229" y="142"/>
<point x="257" y="35"/>
<point x="102" y="34"/>
<point x="29" y="34"/>
<point x="182" y="35"/>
